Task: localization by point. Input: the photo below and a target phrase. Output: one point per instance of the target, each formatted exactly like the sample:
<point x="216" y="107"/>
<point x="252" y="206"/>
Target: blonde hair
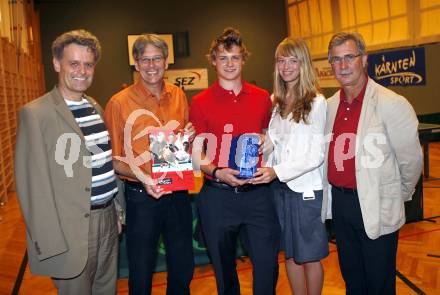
<point x="307" y="87"/>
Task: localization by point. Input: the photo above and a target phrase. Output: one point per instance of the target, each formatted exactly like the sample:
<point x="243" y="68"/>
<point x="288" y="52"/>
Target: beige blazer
<point x="54" y="199"/>
<point x="388" y="159"/>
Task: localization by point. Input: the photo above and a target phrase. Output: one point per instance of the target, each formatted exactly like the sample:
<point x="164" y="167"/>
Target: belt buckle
<point x="236" y="190"/>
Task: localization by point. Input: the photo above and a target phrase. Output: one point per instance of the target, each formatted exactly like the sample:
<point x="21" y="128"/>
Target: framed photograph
<point x="168" y="38"/>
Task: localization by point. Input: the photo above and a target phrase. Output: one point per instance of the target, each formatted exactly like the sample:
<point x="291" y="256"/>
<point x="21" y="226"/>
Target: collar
<point x="359" y="97"/>
<point x="144" y="93"/>
<point x="219" y="91"/>
<point x="59" y="98"/>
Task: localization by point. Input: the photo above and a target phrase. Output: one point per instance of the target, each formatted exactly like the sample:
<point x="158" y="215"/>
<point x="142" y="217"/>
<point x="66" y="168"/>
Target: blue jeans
<point x="148" y="218"/>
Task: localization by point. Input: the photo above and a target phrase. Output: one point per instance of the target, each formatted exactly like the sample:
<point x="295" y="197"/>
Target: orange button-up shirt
<point x="120" y="114"/>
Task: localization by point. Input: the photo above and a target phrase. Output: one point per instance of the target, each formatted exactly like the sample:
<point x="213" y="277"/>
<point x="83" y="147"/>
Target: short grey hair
<point x="341" y="37"/>
<point x="148" y="39"/>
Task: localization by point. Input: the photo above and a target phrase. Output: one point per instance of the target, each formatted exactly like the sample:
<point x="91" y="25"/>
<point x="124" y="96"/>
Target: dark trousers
<point x="367" y="266"/>
<point x="147" y="218"/>
<point x="225" y="215"/>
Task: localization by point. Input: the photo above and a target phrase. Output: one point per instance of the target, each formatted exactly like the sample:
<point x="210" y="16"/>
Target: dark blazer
<point x="53" y="186"/>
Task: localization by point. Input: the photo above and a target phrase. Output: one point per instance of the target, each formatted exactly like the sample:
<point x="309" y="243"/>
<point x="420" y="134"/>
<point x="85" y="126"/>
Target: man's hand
<point x="191" y="130"/>
<point x="228" y="175"/>
<point x="155" y="191"/>
<point x="263" y="175"/>
<point x="119" y="227"/>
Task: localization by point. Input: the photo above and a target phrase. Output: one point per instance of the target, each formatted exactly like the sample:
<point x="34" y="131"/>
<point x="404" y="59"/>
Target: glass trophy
<point x="243" y="155"/>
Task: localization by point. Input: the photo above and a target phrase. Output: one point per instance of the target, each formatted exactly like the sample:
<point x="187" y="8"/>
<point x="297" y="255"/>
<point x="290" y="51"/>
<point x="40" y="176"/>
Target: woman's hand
<point x="263" y="175"/>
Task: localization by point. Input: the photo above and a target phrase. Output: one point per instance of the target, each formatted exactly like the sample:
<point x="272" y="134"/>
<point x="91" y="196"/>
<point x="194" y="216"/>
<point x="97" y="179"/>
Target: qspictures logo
<point x="204" y="148"/>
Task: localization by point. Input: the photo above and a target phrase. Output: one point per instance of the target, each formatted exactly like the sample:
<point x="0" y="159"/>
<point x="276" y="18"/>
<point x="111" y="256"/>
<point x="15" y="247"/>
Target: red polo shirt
<point x="222" y="113"/>
<point x="341" y="156"/>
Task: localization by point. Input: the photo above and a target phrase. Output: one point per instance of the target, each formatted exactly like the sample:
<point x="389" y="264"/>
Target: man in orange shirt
<point x="151" y="102"/>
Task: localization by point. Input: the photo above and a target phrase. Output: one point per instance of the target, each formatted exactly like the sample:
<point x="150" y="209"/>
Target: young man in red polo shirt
<point x="228" y="205"/>
<point x="374" y="162"/>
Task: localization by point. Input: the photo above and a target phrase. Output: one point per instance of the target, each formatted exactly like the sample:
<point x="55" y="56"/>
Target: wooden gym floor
<point x="418" y="259"/>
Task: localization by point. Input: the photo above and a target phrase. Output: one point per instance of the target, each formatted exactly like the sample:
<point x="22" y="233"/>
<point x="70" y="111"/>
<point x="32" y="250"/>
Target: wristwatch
<point x="214" y="171"/>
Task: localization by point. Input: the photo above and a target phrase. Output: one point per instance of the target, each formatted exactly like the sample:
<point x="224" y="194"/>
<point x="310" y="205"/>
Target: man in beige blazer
<point x="373" y="164"/>
<point x="65" y="180"/>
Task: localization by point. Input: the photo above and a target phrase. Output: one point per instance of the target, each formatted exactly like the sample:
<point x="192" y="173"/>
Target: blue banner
<point x="404" y="67"/>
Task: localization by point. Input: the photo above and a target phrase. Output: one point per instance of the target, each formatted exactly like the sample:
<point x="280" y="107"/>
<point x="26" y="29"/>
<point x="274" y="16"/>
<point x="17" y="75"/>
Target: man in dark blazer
<point x="66" y="184"/>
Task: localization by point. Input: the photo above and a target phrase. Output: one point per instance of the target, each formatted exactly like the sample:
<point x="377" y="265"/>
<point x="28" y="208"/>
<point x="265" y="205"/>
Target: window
<point x="311" y="20"/>
<point x="382" y="23"/>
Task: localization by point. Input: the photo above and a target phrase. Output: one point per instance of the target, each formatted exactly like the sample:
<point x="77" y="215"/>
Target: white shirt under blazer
<point x="299" y="148"/>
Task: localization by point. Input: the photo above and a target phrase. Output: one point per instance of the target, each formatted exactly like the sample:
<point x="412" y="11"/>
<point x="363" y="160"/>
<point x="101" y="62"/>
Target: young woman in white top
<point x="296" y="133"/>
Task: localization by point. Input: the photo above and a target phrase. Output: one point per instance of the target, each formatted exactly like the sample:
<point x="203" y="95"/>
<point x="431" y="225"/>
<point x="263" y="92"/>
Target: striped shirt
<point x="97" y="142"/>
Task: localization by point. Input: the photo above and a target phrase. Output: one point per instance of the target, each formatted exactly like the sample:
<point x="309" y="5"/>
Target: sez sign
<point x="404" y="67"/>
<point x="188" y="79"/>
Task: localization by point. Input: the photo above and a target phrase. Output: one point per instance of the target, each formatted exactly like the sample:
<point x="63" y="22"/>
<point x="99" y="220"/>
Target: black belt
<point x="235" y="189"/>
<point x="281" y="185"/>
<point x="345" y="190"/>
<point x="137" y="184"/>
<point x="102" y="206"/>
